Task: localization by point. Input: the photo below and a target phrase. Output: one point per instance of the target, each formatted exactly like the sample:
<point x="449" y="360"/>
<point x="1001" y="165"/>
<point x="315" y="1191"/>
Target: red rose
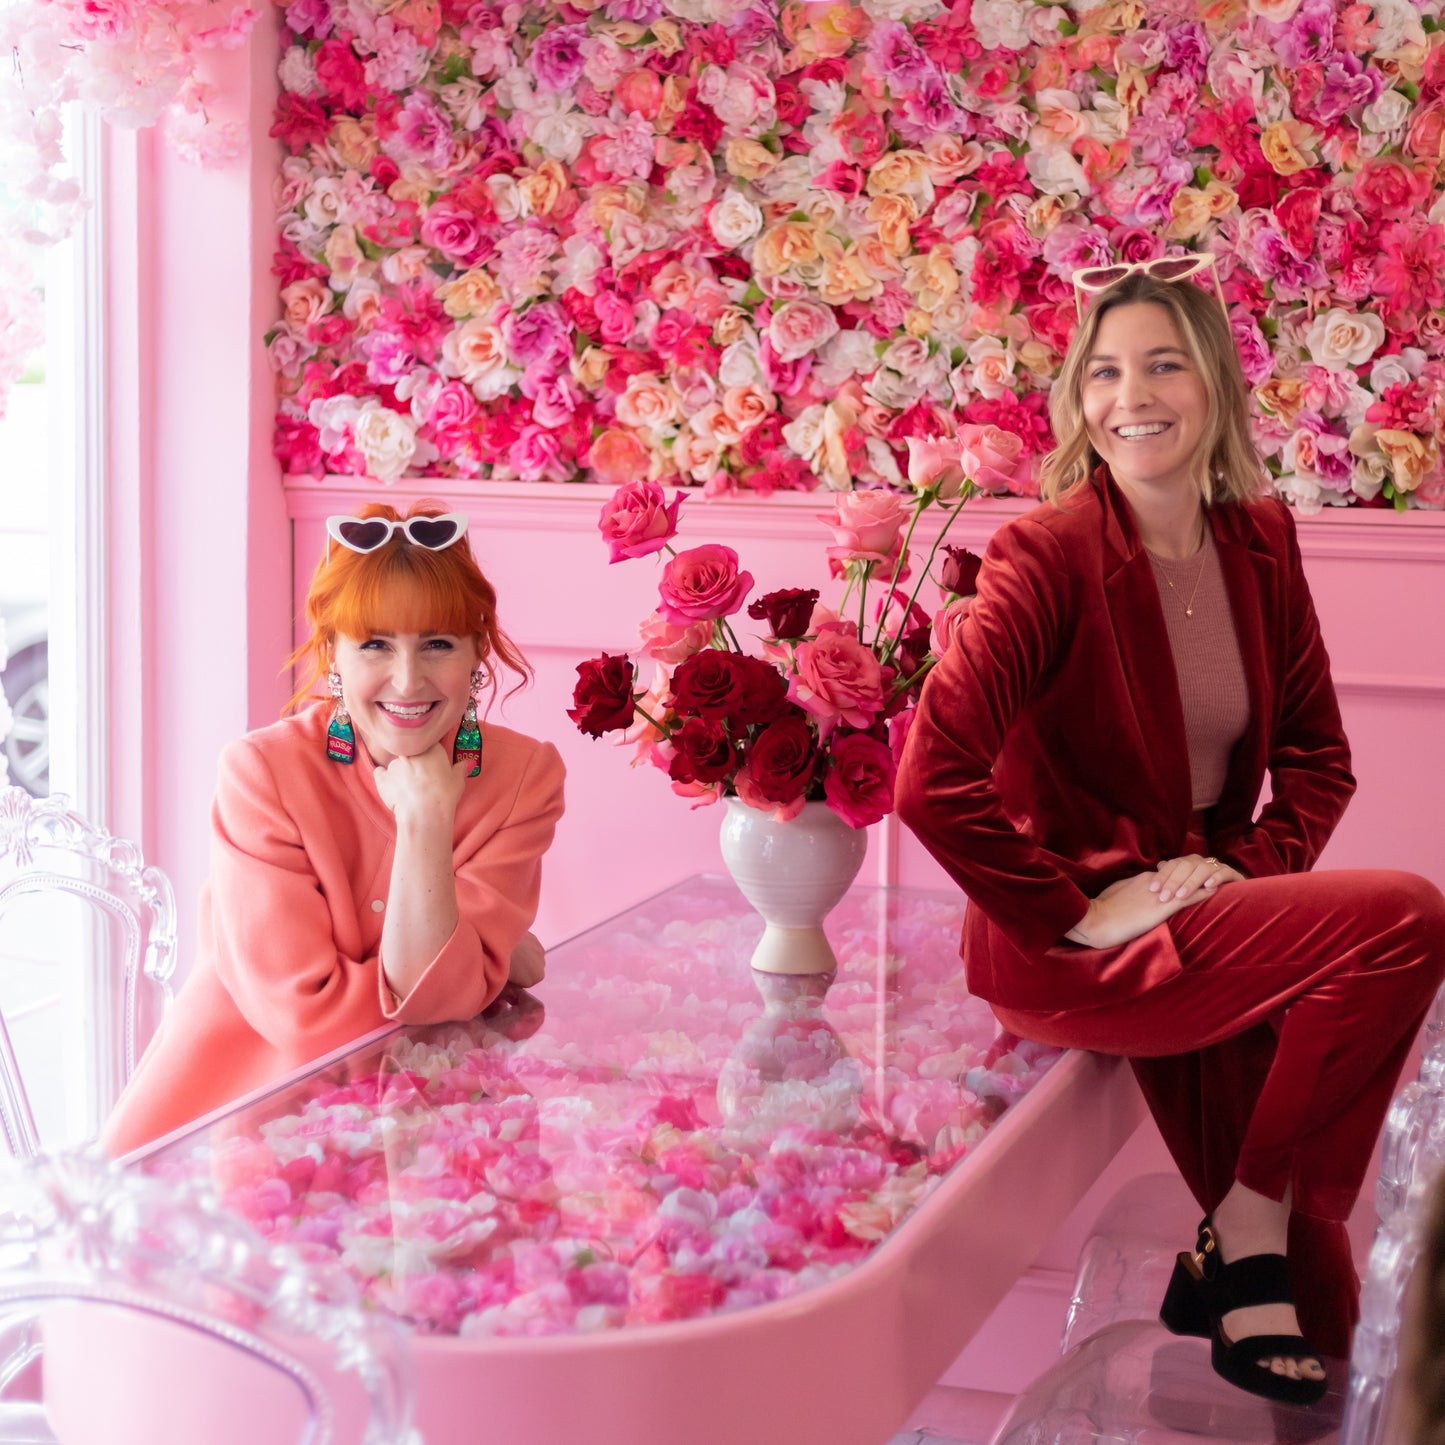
<point x="709" y="683"/>
<point x="702" y="752"/>
<point x="858" y="785"/>
<point x="765" y="693"/>
<point x="780" y="761"/>
<point x="959" y="573"/>
<point x="788" y="611"/>
<point x="603" y="695"/>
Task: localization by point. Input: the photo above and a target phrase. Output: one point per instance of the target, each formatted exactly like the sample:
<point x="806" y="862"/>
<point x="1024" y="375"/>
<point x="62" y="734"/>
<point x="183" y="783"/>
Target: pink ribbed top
<point x="1207" y="664"/>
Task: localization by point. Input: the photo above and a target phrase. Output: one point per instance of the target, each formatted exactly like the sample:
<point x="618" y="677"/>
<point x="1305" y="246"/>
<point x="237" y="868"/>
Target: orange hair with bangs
<point x="401" y="587"/>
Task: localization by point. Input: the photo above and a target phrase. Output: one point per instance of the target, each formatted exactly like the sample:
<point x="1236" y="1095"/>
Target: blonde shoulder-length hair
<point x="1227" y="465"/>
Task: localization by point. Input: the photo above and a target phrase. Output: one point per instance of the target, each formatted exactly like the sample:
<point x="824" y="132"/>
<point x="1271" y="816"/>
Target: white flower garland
<point x="133" y="62"/>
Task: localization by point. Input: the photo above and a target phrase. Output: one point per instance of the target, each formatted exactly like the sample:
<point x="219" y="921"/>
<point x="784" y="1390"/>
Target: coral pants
<point x="1272" y="1057"/>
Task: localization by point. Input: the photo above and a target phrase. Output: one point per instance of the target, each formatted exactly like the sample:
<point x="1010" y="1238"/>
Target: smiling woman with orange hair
<point x="375" y="856"/>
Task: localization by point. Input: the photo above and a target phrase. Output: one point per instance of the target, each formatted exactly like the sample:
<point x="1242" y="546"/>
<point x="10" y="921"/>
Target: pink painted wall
<point x="625" y="834"/>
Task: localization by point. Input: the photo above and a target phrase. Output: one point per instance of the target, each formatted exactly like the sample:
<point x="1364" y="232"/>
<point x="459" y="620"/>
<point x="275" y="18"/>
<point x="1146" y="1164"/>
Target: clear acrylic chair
<point x="1131" y="1381"/>
<point x="1412" y="1144"/>
<point x="1412" y="1162"/>
<point x="1124" y="1264"/>
<point x="167" y="1321"/>
<point x="87" y="950"/>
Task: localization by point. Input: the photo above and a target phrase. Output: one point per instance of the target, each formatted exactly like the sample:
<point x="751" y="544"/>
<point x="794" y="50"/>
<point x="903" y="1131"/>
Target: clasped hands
<point x="1134" y="905"/>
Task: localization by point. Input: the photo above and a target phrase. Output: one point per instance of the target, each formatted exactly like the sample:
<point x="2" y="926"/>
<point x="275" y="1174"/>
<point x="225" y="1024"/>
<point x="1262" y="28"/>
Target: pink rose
<point x="946" y="623"/>
<point x="640" y="93"/>
<point x="934" y="461"/>
<point x="866" y="525"/>
<point x="858" y="785"/>
<point x="615" y="317"/>
<point x="992" y="458"/>
<point x="538" y="455"/>
<point x="455" y="233"/>
<point x="837" y="680"/>
<point x="799" y="327"/>
<point x="666" y="642"/>
<point x="701" y="584"/>
<point x="616" y="456"/>
<point x="637" y="520"/>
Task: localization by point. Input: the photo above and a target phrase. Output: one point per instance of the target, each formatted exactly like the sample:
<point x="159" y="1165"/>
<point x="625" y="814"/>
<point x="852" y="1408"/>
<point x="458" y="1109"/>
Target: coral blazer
<point x="1048" y="757"/>
<point x="292" y="913"/>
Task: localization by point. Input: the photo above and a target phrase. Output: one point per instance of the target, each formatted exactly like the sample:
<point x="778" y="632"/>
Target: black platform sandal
<point x="1203" y="1289"/>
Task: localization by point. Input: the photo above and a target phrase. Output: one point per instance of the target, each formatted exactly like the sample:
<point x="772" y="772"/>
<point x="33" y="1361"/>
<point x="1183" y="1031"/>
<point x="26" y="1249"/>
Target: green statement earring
<point x="340" y="740"/>
<point x="468" y="745"/>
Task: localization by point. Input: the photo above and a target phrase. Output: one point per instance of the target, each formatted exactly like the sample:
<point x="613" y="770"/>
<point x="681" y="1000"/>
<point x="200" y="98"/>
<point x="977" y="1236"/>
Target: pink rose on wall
<point x="701" y="584"/>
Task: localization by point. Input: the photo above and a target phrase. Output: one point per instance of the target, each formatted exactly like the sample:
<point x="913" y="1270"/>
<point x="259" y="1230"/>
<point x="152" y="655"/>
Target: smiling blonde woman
<point x="1087" y="762"/>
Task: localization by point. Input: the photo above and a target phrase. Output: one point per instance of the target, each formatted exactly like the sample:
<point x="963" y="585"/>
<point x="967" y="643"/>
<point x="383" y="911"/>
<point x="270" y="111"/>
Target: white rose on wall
<point x="296" y="71"/>
<point x="1338" y="339"/>
<point x="387" y="440"/>
<point x="1388" y="112"/>
<point x="735" y="220"/>
<point x="1001" y="24"/>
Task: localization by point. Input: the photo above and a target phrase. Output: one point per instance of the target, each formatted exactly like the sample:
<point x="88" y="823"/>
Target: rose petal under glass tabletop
<point x="657" y="1134"/>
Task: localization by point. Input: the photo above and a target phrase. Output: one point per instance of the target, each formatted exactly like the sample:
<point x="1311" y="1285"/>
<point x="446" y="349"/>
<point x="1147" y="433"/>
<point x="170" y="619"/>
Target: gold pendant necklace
<point x="1198" y="577"/>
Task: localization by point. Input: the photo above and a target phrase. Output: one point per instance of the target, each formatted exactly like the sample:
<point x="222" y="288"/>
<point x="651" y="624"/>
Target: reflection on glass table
<point x="662" y="1154"/>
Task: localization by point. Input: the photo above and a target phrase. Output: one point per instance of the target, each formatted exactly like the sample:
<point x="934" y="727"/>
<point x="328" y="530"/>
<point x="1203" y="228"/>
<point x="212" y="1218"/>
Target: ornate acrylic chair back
<point x="1371" y="1403"/>
<point x="87" y="949"/>
<point x="1412" y="1163"/>
<point x="1412" y="1144"/>
<point x="166" y="1321"/>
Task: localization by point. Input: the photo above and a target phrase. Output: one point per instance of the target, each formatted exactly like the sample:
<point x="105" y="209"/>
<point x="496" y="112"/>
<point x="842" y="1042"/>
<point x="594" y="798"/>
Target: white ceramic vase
<point x="793" y="873"/>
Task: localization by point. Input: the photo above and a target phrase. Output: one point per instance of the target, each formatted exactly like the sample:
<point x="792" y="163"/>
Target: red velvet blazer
<point x="1048" y="757"/>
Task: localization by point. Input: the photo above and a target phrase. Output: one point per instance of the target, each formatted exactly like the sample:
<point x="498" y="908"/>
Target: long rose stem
<point x="966" y="491"/>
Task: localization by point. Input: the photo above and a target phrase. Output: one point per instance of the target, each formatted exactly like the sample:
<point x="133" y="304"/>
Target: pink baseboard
<point x="1378" y="580"/>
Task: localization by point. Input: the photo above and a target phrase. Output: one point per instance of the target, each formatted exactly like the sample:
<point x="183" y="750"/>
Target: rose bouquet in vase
<point x="801" y="731"/>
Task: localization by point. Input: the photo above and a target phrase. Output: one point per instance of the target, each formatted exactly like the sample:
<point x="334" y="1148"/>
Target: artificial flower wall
<point x="760" y="245"/>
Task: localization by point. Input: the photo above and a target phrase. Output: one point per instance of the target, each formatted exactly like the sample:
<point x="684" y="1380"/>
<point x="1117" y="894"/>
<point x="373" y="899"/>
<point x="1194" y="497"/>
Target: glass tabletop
<point x="658" y="1133"/>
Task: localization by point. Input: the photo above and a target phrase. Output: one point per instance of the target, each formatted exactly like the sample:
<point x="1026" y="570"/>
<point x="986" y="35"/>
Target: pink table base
<point x="667" y="1208"/>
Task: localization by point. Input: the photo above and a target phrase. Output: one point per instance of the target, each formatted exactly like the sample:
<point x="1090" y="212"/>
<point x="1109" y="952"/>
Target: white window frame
<point x="78" y="489"/>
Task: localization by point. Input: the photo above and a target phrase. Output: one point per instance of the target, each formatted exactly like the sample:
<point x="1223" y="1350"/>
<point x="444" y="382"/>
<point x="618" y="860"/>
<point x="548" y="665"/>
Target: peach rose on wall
<point x="1412" y="458"/>
<point x="1338" y="340"/>
<point x="617" y="456"/>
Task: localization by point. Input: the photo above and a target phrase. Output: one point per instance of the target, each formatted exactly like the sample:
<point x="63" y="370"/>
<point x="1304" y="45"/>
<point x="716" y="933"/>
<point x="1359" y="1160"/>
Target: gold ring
<point x="1213" y="862"/>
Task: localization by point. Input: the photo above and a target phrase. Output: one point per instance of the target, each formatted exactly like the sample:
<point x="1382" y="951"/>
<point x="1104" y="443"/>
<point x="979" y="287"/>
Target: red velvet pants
<point x="1273" y="1056"/>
